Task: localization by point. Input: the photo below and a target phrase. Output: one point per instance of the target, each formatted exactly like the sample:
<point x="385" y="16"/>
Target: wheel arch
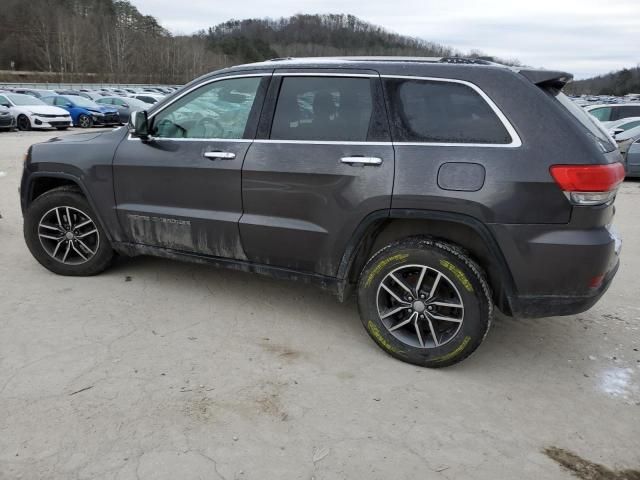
<point x="40" y="183"/>
<point x="462" y="231"/>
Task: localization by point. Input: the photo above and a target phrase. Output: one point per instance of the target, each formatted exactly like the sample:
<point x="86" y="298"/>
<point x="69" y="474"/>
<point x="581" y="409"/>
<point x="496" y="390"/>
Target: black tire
<point x="72" y="198"/>
<point x="461" y="278"/>
<point x="24" y="123"/>
<point x="85" y="121"/>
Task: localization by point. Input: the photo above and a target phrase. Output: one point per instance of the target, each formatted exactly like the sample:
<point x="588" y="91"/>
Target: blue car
<point x="84" y="113"/>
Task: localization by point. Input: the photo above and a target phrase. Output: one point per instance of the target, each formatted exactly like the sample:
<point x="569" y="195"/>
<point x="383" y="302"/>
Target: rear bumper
<point x="558" y="305"/>
<point x="558" y="269"/>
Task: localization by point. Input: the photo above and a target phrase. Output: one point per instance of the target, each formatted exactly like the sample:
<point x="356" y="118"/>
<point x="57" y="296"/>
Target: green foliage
<point x="313" y="35"/>
<point x="111" y="41"/>
<point x="618" y="83"/>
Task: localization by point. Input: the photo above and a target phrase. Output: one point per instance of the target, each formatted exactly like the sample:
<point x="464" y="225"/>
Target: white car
<point x="616" y="111"/>
<point x="626" y="139"/>
<point x="31" y="112"/>
<point x="148" y="97"/>
<point x="618" y="126"/>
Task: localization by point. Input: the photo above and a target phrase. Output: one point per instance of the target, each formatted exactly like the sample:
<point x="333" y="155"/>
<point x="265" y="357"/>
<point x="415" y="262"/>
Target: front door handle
<point x="362" y="161"/>
<point x="220" y="155"/>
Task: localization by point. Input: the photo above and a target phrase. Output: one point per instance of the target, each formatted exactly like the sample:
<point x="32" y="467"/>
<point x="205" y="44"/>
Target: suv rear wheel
<point x="424" y="302"/>
<point x="63" y="234"/>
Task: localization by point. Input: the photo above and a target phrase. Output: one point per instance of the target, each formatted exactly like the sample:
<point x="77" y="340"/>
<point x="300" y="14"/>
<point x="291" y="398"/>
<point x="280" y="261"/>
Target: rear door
<point x="182" y="189"/>
<point x="321" y="163"/>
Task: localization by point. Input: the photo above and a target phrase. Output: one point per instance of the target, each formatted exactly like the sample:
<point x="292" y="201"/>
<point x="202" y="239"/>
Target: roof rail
<point x="382" y="58"/>
<point x="466" y="61"/>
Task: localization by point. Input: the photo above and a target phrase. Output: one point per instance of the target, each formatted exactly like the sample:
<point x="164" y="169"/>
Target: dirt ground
<point x="165" y="370"/>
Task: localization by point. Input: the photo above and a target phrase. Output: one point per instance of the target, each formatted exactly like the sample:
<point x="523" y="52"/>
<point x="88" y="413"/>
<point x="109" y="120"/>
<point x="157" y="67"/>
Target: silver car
<point x="633" y="159"/>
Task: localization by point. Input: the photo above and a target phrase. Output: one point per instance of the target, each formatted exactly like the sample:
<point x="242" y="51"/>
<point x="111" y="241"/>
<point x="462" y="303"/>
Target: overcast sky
<point x="585" y="37"/>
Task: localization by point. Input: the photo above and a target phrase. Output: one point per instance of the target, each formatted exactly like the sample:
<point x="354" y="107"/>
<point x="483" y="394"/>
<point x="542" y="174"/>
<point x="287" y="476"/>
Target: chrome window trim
<point x="515" y="138"/>
<point x="325" y="74"/>
<point x="235" y="140"/>
<point x="195" y="87"/>
<point x="212" y="80"/>
<point x="320" y="142"/>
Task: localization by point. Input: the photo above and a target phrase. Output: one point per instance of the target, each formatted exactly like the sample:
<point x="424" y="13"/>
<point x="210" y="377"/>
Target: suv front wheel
<point x="424" y="302"/>
<point x="63" y="234"/>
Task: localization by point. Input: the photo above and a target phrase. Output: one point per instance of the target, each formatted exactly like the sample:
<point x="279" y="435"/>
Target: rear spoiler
<point x="546" y="78"/>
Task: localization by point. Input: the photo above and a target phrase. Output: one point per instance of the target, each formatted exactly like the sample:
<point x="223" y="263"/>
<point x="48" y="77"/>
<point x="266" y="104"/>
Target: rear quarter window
<point x="442" y="112"/>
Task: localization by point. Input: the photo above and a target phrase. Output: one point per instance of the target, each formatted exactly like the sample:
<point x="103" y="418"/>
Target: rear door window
<point x="427" y="111"/>
<point x="323" y="109"/>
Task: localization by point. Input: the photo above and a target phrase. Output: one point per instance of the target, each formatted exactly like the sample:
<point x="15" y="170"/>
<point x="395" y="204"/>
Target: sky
<point x="584" y="37"/>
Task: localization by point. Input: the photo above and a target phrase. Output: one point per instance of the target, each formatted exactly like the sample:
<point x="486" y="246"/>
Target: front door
<point x="322" y="161"/>
<point x="181" y="190"/>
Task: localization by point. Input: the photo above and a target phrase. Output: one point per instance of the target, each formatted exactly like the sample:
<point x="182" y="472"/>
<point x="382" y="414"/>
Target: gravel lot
<point x="166" y="370"/>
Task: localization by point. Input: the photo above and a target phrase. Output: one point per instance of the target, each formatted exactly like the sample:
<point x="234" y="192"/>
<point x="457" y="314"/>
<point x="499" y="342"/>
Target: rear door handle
<point x="220" y="155"/>
<point x="361" y="161"/>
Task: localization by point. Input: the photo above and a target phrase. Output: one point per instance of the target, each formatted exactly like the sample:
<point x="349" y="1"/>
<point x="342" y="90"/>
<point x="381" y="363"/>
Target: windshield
<point x="81" y="101"/>
<point x="593" y="126"/>
<point x="23" y="100"/>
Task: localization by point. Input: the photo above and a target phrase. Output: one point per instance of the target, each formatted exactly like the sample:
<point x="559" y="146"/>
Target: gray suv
<point x="433" y="188"/>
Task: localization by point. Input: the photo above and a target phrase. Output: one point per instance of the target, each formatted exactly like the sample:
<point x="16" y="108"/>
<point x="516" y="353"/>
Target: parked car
<point x="80" y="93"/>
<point x="85" y="113"/>
<point x="149" y="98"/>
<point x="607" y="113"/>
<point x="31" y="112"/>
<point x="626" y="139"/>
<point x="633" y="159"/>
<point x="124" y="106"/>
<point x="7" y="120"/>
<point x="154" y="90"/>
<point x="618" y="126"/>
<point x="34" y="92"/>
<point x="434" y="189"/>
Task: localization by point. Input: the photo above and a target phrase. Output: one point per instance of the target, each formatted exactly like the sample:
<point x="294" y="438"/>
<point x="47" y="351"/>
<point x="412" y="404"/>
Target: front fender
<point x="84" y="159"/>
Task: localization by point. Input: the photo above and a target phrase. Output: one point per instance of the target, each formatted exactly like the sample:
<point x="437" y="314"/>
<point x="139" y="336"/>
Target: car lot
<point x="158" y="369"/>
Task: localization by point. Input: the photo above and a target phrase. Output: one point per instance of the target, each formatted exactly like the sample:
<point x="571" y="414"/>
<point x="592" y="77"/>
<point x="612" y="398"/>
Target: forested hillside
<point x="616" y="83"/>
<point x="110" y="40"/>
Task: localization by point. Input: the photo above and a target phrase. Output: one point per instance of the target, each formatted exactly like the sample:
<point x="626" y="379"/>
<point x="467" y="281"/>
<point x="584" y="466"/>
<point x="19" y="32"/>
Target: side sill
<point x="330" y="284"/>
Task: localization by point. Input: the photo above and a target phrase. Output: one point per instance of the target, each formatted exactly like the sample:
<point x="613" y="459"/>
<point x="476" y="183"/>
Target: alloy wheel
<point x="68" y="235"/>
<point x="420" y="306"/>
<point x="84" y="121"/>
<point x="23" y="123"/>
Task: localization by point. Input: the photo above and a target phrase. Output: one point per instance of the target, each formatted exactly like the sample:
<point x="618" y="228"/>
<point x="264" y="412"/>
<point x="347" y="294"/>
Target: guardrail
<point x="76" y="86"/>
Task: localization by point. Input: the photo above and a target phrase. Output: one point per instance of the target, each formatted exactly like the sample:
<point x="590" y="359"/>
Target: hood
<point x="105" y="109"/>
<point x="45" y="110"/>
<point x="77" y="137"/>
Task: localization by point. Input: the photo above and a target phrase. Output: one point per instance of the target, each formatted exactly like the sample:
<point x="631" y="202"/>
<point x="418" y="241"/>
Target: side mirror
<point x="139" y="125"/>
<point x="68" y="105"/>
<point x="8" y="105"/>
<point x="616" y="131"/>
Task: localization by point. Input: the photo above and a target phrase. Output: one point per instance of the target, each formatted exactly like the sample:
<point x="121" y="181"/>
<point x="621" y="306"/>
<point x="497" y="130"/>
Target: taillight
<point x="589" y="184"/>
